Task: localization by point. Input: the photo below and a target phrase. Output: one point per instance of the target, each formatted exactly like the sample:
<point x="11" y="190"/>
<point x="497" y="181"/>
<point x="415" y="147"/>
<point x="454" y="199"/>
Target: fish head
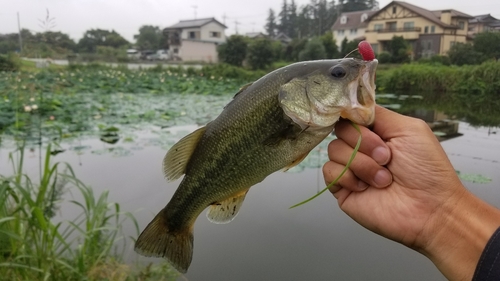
<point x="330" y="90"/>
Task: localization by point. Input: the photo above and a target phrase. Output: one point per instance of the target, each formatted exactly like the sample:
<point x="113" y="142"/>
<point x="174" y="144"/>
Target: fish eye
<point x="338" y="72"/>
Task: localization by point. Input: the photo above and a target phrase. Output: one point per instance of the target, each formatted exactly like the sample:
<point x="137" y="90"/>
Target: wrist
<point x="458" y="234"/>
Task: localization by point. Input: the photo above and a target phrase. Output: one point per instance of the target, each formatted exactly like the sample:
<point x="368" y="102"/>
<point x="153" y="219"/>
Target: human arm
<point x="402" y="185"/>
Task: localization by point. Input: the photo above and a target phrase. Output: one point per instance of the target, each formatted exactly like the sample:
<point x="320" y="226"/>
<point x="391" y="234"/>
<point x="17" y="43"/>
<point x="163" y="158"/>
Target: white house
<point x="195" y="40"/>
<point x="351" y="25"/>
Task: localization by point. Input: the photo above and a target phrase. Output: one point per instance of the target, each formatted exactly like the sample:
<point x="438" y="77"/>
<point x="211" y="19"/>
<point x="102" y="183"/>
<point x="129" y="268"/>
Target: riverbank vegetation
<point x="37" y="244"/>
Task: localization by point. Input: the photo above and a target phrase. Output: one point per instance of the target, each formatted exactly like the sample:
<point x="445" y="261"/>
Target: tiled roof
<point x="193" y="23"/>
<point x="353" y="20"/>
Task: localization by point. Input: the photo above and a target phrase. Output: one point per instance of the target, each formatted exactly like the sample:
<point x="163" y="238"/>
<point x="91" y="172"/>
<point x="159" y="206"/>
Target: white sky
<point x="74" y="17"/>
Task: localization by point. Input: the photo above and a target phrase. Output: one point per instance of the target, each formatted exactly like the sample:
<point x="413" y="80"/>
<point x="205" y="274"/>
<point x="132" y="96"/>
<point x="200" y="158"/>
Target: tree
<point x="330" y="45"/>
<point x="488" y="43"/>
<point x="464" y="53"/>
<point x="149" y="37"/>
<point x="399" y="49"/>
<point x="347" y="47"/>
<point x="260" y="53"/>
<point x="234" y="51"/>
<point x="291" y="28"/>
<point x="357" y="5"/>
<point x="314" y="50"/>
<point x="283" y="18"/>
<point x="99" y="37"/>
<point x="271" y="24"/>
<point x="293" y="49"/>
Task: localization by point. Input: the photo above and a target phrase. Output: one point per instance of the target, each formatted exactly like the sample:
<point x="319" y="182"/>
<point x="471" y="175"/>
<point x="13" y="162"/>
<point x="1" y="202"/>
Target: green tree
<point x="347" y="47"/>
<point x="260" y="53"/>
<point x="99" y="37"/>
<point x="488" y="43"/>
<point x="464" y="53"/>
<point x="149" y="37"/>
<point x="283" y="18"/>
<point x="314" y="50"/>
<point x="271" y="24"/>
<point x="293" y="49"/>
<point x="399" y="49"/>
<point x="357" y="5"/>
<point x="291" y="28"/>
<point x="330" y="45"/>
<point x="234" y="51"/>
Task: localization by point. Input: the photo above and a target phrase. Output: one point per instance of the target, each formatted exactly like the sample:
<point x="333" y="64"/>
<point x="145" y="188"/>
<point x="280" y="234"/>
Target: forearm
<point x="461" y="230"/>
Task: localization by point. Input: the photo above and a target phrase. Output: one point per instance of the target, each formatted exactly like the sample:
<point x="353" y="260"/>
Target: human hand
<point x="402" y="185"/>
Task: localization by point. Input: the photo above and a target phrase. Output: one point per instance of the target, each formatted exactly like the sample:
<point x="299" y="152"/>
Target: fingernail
<point x="382" y="178"/>
<point x="380" y="155"/>
<point x="362" y="185"/>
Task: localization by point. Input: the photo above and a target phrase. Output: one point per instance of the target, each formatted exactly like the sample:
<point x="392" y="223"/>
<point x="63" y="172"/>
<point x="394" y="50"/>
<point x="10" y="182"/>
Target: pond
<point x="267" y="240"/>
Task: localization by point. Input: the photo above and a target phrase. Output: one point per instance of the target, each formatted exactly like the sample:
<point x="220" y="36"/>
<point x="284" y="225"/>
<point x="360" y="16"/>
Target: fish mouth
<point x="362" y="96"/>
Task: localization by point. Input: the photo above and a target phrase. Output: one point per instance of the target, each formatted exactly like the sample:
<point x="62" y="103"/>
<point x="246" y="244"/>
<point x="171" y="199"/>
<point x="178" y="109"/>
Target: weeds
<point x="34" y="246"/>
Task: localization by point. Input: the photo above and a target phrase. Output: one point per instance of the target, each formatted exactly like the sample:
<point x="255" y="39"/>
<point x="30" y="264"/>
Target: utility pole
<point x="236" y="26"/>
<point x="20" y="38"/>
<point x="194" y="8"/>
<point x="224" y="18"/>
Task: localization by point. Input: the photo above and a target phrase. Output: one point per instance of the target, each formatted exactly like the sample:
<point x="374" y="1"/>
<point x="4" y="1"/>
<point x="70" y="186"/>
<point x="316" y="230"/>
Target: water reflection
<point x="267" y="241"/>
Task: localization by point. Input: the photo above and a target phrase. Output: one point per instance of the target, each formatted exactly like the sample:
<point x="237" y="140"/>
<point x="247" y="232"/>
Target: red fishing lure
<point x="366" y="51"/>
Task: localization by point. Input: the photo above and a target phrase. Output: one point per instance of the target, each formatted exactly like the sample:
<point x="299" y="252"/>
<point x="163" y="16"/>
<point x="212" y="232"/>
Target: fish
<point x="269" y="125"/>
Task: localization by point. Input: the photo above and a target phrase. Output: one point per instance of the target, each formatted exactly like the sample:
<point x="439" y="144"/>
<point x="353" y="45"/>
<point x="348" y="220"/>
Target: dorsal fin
<point x="176" y="159"/>
<point x="225" y="211"/>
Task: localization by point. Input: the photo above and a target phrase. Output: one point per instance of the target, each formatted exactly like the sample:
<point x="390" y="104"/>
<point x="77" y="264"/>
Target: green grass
<point x="36" y="246"/>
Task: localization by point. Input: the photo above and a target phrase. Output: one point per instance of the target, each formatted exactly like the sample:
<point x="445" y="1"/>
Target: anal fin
<point x="225" y="211"/>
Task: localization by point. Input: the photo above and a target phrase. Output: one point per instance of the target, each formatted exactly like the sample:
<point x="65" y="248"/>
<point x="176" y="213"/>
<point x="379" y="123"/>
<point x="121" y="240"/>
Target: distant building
<point x="351" y="25"/>
<point x="483" y="23"/>
<point x="195" y="40"/>
<point x="255" y="35"/>
<point x="283" y="38"/>
<point x="429" y="32"/>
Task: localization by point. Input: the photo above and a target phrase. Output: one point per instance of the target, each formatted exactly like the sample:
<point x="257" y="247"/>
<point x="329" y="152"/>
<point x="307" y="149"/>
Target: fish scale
<point x="269" y="125"/>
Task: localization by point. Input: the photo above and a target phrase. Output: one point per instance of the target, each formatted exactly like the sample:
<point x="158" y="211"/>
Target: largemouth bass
<point x="269" y="125"/>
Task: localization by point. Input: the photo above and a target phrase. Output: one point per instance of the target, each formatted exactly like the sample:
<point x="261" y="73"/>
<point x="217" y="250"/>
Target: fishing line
<point x="341" y="174"/>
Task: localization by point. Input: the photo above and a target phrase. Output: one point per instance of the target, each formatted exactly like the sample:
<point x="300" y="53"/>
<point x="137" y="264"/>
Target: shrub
<point x="314" y="50"/>
<point x="384" y="57"/>
<point x="10" y="62"/>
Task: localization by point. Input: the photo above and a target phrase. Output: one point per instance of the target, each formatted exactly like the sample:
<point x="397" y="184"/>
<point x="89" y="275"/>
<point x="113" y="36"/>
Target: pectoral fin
<point x="296" y="161"/>
<point x="225" y="211"/>
<point x="176" y="159"/>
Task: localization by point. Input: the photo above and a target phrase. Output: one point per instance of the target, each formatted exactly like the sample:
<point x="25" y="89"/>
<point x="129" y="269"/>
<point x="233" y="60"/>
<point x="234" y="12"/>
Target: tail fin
<point x="157" y="241"/>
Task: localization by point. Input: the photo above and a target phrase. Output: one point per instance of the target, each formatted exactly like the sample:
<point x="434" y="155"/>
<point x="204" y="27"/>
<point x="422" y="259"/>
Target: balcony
<point x="408" y="33"/>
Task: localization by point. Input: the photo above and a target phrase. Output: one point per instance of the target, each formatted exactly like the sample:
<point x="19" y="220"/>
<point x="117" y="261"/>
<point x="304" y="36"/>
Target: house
<point x="351" y="25"/>
<point x="255" y="35"/>
<point x="195" y="40"/>
<point x="428" y="32"/>
<point x="483" y="23"/>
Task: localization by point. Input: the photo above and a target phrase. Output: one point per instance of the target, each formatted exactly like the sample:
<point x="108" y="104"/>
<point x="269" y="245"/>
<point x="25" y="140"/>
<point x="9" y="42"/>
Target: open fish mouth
<point x="362" y="96"/>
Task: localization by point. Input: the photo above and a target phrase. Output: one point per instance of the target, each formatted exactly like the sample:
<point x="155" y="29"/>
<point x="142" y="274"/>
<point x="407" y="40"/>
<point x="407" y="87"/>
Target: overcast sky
<point x="74" y="17"/>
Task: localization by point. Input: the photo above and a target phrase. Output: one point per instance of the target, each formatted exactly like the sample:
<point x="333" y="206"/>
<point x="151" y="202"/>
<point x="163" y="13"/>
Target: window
<point x="353" y="31"/>
<point x="343" y="20"/>
<point x="394" y="9"/>
<point x="426" y="29"/>
<point x="391" y="26"/>
<point x="215" y="34"/>
<point x="433" y="29"/>
<point x="461" y="25"/>
<point x="192" y="35"/>
<point x="408" y="25"/>
<point x="378" y="26"/>
<point x="375" y="48"/>
<point x="364" y="17"/>
<point x="176" y="51"/>
<point x="340" y="32"/>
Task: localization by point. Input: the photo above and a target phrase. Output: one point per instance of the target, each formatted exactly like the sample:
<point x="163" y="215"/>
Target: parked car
<point x="133" y="54"/>
<point x="159" y="55"/>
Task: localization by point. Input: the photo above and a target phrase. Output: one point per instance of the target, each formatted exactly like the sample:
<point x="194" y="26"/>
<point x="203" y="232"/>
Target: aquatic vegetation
<point x="36" y="244"/>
